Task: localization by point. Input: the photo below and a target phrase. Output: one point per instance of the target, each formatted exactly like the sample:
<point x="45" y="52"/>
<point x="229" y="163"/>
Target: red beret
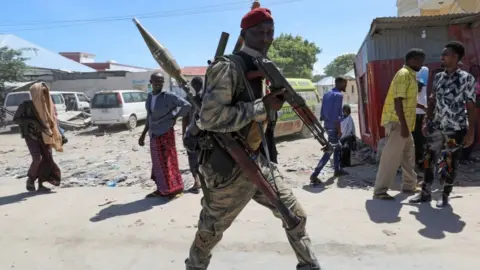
<point x="256" y="16"/>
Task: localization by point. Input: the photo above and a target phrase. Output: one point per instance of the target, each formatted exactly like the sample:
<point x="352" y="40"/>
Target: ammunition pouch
<point x="211" y="153"/>
<point x="207" y="149"/>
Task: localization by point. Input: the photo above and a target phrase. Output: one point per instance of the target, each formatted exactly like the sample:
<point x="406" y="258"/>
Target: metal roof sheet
<point x="327" y="81"/>
<point x="42" y="58"/>
<point x="385" y="23"/>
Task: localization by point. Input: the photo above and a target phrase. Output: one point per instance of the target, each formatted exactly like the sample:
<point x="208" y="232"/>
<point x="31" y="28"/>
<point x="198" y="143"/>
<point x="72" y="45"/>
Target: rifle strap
<point x="239" y="63"/>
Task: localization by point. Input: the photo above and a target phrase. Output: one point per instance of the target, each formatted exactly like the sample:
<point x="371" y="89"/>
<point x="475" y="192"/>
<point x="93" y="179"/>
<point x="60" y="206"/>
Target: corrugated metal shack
<point x="383" y="50"/>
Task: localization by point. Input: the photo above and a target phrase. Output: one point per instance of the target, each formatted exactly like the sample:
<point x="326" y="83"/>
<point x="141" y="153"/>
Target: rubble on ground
<point x="74" y="120"/>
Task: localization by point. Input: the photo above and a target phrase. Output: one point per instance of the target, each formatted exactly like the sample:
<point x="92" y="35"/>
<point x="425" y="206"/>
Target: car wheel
<point x="132" y="122"/>
<point x="305" y="132"/>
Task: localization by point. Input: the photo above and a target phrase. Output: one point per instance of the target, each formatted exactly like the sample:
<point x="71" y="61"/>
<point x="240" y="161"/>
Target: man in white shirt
<point x="418" y="137"/>
<point x="348" y="138"/>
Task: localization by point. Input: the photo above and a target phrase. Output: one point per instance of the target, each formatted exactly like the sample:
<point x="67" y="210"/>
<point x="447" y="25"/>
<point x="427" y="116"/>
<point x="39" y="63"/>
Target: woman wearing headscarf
<point x="38" y="125"/>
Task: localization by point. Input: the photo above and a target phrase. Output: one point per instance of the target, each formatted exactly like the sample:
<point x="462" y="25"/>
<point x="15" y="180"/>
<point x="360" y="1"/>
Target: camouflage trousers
<point x="227" y="198"/>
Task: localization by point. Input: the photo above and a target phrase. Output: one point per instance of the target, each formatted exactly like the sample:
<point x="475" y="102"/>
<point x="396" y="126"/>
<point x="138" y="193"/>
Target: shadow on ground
<point x="360" y="176"/>
<point x="437" y="221"/>
<point x="16" y="198"/>
<point x="381" y="211"/>
<point x="97" y="132"/>
<point x="314" y="188"/>
<point x="130" y="208"/>
<point x="288" y="138"/>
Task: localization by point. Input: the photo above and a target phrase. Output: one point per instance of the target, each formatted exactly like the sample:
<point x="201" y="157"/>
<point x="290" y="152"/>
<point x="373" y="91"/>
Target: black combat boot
<point x="424" y="196"/>
<point x="443" y="201"/>
<point x="421" y="198"/>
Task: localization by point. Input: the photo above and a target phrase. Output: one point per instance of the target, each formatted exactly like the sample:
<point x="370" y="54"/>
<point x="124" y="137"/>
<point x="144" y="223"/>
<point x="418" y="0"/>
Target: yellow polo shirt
<point x="404" y="85"/>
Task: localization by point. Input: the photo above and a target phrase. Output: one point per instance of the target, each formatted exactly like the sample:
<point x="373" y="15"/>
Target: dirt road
<point x="69" y="230"/>
<point x="86" y="225"/>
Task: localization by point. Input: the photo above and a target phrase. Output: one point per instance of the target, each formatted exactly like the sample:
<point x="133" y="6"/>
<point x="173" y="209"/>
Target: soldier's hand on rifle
<point x="274" y="101"/>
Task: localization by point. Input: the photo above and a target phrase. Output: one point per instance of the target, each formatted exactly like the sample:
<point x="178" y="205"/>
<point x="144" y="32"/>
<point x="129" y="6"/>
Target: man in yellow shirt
<point x="398" y="119"/>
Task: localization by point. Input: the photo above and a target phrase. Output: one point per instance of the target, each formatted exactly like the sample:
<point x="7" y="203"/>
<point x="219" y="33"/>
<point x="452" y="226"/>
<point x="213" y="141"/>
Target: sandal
<point x="194" y="190"/>
<point x="175" y="196"/>
<point x="157" y="194"/>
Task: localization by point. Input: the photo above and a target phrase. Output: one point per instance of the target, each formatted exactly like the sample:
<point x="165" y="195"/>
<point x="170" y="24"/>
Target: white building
<point x="42" y="63"/>
<point x="351" y="93"/>
<point x="78" y="72"/>
<point x="324" y="85"/>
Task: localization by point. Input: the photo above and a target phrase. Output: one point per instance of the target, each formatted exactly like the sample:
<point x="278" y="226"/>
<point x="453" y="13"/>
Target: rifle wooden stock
<point x="236" y="149"/>
<point x="240" y="154"/>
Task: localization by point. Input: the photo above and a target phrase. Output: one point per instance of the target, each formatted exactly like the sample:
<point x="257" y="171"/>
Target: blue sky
<point x="337" y="26"/>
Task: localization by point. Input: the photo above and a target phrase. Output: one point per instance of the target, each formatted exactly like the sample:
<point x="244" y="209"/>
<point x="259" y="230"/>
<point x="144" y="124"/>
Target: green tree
<point x="340" y="65"/>
<point x="294" y="55"/>
<point x="12" y="65"/>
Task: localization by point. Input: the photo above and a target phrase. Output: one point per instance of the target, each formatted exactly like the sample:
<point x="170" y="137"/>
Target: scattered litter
<point x="389" y="233"/>
<point x="107" y="202"/>
<point x="116" y="180"/>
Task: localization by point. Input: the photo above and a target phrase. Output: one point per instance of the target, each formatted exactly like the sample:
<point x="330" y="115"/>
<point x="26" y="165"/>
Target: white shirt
<point x="347" y="126"/>
<point x="422" y="99"/>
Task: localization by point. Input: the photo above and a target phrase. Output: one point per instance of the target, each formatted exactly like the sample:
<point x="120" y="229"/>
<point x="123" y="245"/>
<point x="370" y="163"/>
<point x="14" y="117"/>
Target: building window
<point x="353" y="89"/>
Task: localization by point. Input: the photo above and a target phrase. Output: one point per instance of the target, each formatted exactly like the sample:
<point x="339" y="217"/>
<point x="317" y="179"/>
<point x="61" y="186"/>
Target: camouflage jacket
<point x="223" y="110"/>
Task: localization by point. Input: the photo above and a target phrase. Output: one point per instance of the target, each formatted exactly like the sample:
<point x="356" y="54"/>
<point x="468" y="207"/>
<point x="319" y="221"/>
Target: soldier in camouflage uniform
<point x="233" y="103"/>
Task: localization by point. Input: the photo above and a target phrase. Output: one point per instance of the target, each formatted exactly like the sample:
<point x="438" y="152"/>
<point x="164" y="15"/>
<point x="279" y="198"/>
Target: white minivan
<point x="118" y="107"/>
<point x="82" y="101"/>
<point x="14" y="99"/>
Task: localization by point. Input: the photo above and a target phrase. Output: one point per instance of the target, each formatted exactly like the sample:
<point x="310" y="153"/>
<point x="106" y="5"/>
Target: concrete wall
<point x="349" y="97"/>
<point x="351" y="94"/>
<point x="131" y="80"/>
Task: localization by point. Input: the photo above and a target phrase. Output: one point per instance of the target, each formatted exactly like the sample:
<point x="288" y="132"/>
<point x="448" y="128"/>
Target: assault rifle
<point x="233" y="144"/>
<point x="299" y="106"/>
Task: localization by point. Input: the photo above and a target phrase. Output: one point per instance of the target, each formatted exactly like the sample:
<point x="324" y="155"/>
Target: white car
<point x="118" y="107"/>
<point x="82" y="101"/>
<point x="14" y="99"/>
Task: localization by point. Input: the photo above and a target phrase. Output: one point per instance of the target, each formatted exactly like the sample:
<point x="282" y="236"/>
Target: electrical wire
<point x="123" y="16"/>
<point x="163" y="14"/>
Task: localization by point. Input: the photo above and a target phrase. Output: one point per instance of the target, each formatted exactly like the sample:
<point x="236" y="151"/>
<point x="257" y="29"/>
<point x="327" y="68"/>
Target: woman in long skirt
<point x="38" y="124"/>
<point x="163" y="108"/>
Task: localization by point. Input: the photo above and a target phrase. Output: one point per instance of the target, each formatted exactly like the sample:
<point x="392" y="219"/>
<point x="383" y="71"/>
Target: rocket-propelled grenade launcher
<point x="232" y="143"/>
